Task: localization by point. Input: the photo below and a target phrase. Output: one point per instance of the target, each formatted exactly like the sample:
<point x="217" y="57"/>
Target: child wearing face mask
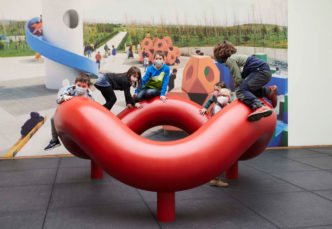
<point x="82" y="89"/>
<point x="221" y="97"/>
<point x="155" y="80"/>
<point x="109" y="82"/>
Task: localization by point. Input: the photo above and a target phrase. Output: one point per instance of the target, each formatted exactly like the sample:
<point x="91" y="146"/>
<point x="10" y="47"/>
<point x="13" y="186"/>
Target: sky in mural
<point x="194" y="12"/>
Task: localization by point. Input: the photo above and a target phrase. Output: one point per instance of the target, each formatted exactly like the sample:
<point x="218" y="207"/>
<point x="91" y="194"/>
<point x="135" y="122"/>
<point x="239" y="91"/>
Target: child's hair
<point x="224" y="50"/>
<point x="160" y="53"/>
<point x="175" y="70"/>
<point x="226" y="92"/>
<point x="133" y="70"/>
<point x="221" y="84"/>
<point x="83" y="78"/>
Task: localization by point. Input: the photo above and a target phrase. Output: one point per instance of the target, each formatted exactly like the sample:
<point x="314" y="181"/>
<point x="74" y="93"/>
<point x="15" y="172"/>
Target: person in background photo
<point x="98" y="59"/>
<point x="172" y="78"/>
<point x="146" y="62"/>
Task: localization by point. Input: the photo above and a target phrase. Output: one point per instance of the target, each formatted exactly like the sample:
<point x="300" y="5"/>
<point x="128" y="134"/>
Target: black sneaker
<point x="53" y="144"/>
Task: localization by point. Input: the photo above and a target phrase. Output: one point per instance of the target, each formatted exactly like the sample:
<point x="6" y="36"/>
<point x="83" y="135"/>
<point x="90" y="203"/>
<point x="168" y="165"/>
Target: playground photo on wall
<point x="59" y="40"/>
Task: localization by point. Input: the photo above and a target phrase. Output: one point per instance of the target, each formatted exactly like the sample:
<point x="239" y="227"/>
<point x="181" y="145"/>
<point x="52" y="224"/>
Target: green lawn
<point x="12" y="49"/>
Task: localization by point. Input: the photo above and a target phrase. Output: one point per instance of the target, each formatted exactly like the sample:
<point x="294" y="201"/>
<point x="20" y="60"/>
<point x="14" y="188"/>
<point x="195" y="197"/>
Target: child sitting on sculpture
<point x="220" y="97"/>
<point x="250" y="82"/>
<point x="109" y="82"/>
<point x="155" y="80"/>
<point x="82" y="89"/>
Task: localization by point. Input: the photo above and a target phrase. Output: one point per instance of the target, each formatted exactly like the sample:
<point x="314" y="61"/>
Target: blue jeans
<point x="147" y="93"/>
<point x="252" y="87"/>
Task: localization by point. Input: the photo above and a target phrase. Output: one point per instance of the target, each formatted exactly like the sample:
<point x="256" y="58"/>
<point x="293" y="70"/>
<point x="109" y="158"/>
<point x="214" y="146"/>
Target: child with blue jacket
<point x="155" y="80"/>
<point x="250" y="82"/>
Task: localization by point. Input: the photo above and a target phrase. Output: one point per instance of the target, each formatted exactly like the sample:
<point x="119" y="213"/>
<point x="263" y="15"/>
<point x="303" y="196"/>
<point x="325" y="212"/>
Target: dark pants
<point x="170" y="86"/>
<point x="54" y="133"/>
<point x="109" y="96"/>
<point x="98" y="62"/>
<point x="252" y="87"/>
<point x="147" y="93"/>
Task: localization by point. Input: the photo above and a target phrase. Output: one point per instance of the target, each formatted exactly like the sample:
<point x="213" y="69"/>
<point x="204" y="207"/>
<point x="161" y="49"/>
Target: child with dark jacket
<point x="250" y="82"/>
<point x="109" y="82"/>
<point x="172" y="78"/>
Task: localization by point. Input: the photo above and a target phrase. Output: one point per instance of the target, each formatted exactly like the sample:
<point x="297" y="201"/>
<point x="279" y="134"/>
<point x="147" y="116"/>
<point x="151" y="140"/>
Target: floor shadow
<point x="24" y="92"/>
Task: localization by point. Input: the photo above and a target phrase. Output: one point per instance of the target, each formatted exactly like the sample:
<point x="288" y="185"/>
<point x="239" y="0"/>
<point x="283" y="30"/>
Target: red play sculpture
<point x="114" y="145"/>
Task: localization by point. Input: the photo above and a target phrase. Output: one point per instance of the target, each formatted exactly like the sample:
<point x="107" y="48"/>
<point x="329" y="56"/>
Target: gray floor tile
<point x="252" y="180"/>
<point x="214" y="213"/>
<point x="74" y="162"/>
<point x="27" y="177"/>
<point x="301" y="209"/>
<point x="325" y="193"/>
<point x="93" y="193"/>
<point x="317" y="227"/>
<point x="274" y="163"/>
<point x="294" y="153"/>
<point x="327" y="150"/>
<point x="26" y="164"/>
<point x="23" y="198"/>
<point x="126" y="216"/>
<point x="22" y="220"/>
<point x="319" y="162"/>
<point x="77" y="175"/>
<point x="310" y="180"/>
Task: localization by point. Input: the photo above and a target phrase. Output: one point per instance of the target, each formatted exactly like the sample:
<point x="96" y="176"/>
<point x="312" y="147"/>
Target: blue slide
<point x="57" y="54"/>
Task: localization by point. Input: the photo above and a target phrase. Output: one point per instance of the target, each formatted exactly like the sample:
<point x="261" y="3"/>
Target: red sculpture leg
<point x="232" y="173"/>
<point x="166" y="206"/>
<point x="96" y="171"/>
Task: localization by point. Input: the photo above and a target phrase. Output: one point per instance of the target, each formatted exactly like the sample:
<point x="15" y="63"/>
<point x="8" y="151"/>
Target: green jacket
<point x="235" y="62"/>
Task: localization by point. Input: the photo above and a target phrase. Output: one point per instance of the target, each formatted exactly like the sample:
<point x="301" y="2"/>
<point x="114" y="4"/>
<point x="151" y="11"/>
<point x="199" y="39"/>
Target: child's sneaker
<point x="259" y="113"/>
<point x="52" y="145"/>
<point x="213" y="182"/>
<point x="273" y="96"/>
<point x="220" y="183"/>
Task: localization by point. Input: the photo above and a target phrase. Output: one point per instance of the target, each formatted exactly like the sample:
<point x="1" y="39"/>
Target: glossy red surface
<point x="89" y="130"/>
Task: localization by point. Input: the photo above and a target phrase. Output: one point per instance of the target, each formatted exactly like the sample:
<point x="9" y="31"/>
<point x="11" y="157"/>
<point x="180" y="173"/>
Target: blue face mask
<point x="158" y="63"/>
<point x="81" y="91"/>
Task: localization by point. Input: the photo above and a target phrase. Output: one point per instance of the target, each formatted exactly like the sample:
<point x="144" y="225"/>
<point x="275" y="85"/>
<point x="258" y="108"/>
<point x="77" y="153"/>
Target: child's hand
<point x="203" y="111"/>
<point x="129" y="106"/>
<point x="67" y="97"/>
<point x="163" y="98"/>
<point x="134" y="96"/>
<point x="138" y="105"/>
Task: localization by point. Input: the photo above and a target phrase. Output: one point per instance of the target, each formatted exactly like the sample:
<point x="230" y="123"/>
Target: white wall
<point x="310" y="72"/>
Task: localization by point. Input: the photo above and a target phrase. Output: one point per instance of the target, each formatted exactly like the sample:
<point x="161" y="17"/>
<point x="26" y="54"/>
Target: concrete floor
<point x="285" y="188"/>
